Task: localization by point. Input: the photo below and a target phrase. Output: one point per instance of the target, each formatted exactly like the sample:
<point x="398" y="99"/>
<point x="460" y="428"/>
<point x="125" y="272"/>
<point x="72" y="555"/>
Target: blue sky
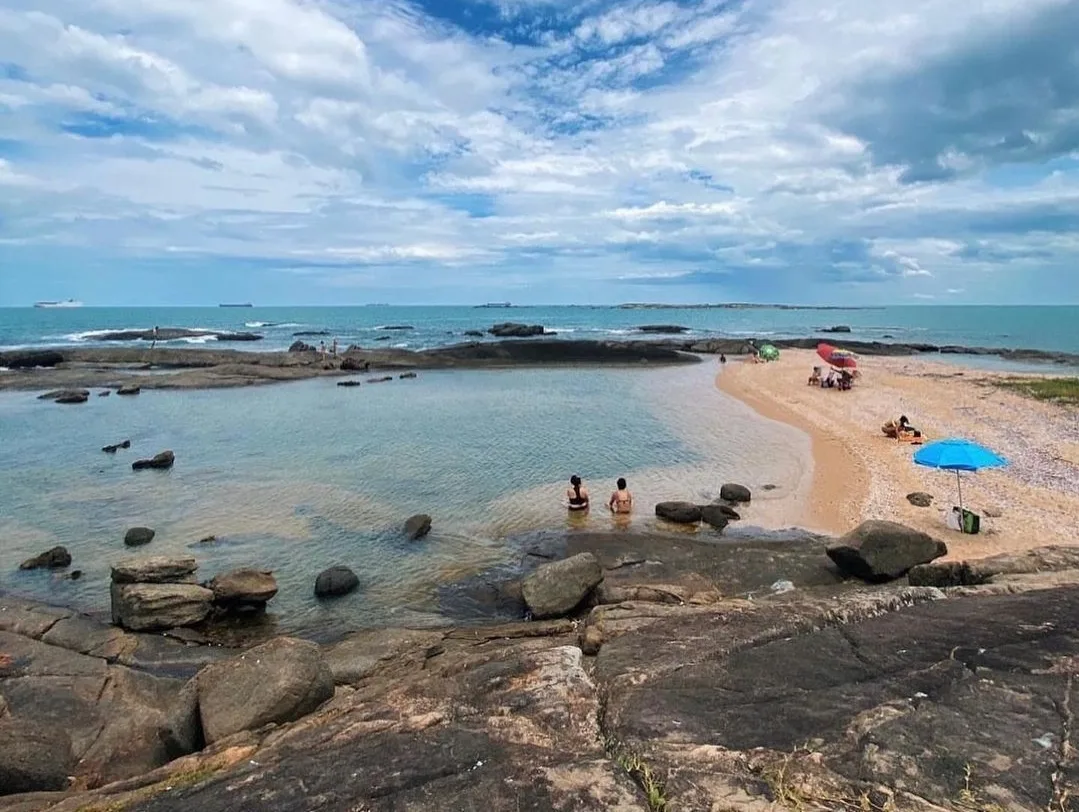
<point x="539" y="151"/>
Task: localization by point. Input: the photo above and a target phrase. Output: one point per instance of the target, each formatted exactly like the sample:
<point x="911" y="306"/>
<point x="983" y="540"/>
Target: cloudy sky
<point x="540" y="151"/>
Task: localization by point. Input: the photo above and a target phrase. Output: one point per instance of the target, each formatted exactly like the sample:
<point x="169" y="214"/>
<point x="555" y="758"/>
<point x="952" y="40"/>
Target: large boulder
<point x="138" y="536"/>
<point x="732" y="492"/>
<point x="243" y="589"/>
<point x="30" y="359"/>
<point x="149" y="607"/>
<point x="154" y="569"/>
<point x="878" y="551"/>
<point x="277" y="682"/>
<point x="418" y="526"/>
<point x="34" y="757"/>
<point x="679" y="512"/>
<point x="713" y="515"/>
<point x="335" y="581"/>
<point x="300" y="346"/>
<point x="56" y="558"/>
<point x="163" y="460"/>
<point x="559" y="587"/>
<point x="511" y="329"/>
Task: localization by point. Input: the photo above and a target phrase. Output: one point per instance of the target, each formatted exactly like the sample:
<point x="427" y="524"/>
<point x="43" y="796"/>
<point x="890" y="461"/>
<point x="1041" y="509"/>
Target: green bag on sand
<point x="972" y="522"/>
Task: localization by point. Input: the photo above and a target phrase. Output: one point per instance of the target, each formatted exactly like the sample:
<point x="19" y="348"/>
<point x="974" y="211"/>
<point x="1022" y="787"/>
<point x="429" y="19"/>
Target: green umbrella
<point x="768" y="352"/>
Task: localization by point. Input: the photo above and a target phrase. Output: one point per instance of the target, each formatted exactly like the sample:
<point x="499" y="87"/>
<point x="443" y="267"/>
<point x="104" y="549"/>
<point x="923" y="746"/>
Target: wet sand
<point x="859" y="473"/>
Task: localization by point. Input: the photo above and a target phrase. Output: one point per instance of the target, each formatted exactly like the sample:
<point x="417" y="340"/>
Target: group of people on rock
<point x="577" y="498"/>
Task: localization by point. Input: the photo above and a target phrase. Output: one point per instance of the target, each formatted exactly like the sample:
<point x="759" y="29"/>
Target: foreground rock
<point x="243" y="590"/>
<point x="161" y="461"/>
<point x="732" y="492"/>
<point x="878" y="551"/>
<point x="138" y="536"/>
<point x="277" y="682"/>
<point x="418" y="526"/>
<point x="1047" y="562"/>
<point x="511" y="329"/>
<point x="679" y="512"/>
<point x="56" y="558"/>
<point x="335" y="581"/>
<point x="559" y="587"/>
<point x="34" y="756"/>
<point x="152" y="607"/>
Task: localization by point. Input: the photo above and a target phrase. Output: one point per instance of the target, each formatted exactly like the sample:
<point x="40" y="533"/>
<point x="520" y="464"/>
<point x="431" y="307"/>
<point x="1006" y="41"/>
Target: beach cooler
<point x="963" y="520"/>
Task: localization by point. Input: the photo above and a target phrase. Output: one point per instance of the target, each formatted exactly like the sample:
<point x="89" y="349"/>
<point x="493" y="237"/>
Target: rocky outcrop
<point x="112" y="449"/>
<point x="138" y="536"/>
<point x="66" y="396"/>
<point x="714" y="516"/>
<point x="404" y="376"/>
<point x="998" y="569"/>
<point x="354" y="365"/>
<point x="474" y="333"/>
<point x="243" y="590"/>
<point x="279" y="681"/>
<point x="335" y="581"/>
<point x="679" y="512"/>
<point x="30" y="359"/>
<point x="300" y="346"/>
<point x="158" y="569"/>
<point x="34" y="756"/>
<point x="56" y="558"/>
<point x="511" y="329"/>
<point x="161" y="461"/>
<point x="920" y="499"/>
<point x="129" y="389"/>
<point x="839" y="328"/>
<point x="418" y="526"/>
<point x="150" y="607"/>
<point x="732" y="492"/>
<point x="669" y="329"/>
<point x="310" y="333"/>
<point x="559" y="587"/>
<point x="172" y="334"/>
<point x="878" y="551"/>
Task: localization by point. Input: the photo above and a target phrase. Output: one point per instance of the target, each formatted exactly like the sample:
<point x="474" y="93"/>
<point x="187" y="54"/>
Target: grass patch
<point x="969" y="799"/>
<point x="1064" y="391"/>
<point x="790" y="792"/>
<point x="641" y="773"/>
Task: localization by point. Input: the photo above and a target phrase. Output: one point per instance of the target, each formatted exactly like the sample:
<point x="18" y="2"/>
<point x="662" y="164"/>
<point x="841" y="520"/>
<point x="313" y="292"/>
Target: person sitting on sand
<point x="621" y="500"/>
<point x="576" y="494"/>
<point x="845" y="380"/>
<point x="814" y="378"/>
<point x="828" y="382"/>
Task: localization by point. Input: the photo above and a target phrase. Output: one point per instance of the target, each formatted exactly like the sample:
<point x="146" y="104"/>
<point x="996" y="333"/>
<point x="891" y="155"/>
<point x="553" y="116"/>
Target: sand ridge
<point x="859" y="473"/>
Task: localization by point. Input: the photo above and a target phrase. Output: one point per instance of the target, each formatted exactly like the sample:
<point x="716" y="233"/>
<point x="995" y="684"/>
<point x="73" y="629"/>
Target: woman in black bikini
<point x="576" y="494"/>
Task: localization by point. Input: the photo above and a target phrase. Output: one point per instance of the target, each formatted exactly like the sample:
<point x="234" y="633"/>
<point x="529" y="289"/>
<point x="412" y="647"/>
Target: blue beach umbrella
<point x="958" y="455"/>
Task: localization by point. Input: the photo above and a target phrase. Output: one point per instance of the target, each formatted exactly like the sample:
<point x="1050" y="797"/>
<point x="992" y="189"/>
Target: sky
<point x="539" y="151"/>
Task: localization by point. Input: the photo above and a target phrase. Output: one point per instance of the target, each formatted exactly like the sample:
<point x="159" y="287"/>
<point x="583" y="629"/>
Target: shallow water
<point x="298" y="477"/>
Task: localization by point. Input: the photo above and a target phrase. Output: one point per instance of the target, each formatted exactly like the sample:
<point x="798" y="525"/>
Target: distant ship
<point x="68" y="303"/>
<point x="495" y="304"/>
<point x="244" y="304"/>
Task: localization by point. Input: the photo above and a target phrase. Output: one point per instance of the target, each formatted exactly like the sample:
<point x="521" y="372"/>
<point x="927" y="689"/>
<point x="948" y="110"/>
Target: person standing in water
<point x="576" y="494"/>
<point x="621" y="500"/>
<point x="153" y="338"/>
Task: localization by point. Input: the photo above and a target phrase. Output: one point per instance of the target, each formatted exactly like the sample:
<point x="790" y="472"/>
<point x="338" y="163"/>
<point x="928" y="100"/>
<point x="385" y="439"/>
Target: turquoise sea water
<point x="1045" y="328"/>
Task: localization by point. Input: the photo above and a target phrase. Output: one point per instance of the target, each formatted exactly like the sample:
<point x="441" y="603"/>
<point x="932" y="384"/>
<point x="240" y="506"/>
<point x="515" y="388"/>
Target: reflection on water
<point x="298" y="477"/>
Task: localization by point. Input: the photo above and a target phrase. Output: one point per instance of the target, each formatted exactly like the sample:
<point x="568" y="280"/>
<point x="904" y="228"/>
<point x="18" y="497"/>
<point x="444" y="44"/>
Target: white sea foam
<point x="198" y="339"/>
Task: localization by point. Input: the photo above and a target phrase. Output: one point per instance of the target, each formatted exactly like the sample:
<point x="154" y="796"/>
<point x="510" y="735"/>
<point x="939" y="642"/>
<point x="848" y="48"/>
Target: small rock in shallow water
<point x="112" y="449"/>
<point x="335" y="581"/>
<point x="55" y="558"/>
<point x="129" y="389"/>
<point x="732" y="492"/>
<point x="407" y="375"/>
<point x="207" y="539"/>
<point x="713" y="515"/>
<point x="161" y="461"/>
<point x="75" y="575"/>
<point x="348" y="383"/>
<point x="418" y="526"/>
<point x="679" y="512"/>
<point x="138" y="536"/>
<point x="104" y="393"/>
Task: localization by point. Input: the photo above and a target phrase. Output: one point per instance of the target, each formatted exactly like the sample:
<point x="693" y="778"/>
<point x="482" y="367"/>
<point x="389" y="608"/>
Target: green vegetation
<point x="1054" y="390"/>
<point x="789" y="791"/>
<point x="639" y="771"/>
<point x="969" y="798"/>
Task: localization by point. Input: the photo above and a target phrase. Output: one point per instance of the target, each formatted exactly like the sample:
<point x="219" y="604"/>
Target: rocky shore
<point x="71" y="370"/>
<point x="681" y="674"/>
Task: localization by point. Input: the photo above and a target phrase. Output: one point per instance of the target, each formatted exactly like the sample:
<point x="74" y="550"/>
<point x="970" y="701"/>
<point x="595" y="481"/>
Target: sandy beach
<point x="860" y="474"/>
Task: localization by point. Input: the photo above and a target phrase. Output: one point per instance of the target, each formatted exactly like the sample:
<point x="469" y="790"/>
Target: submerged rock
<point x="679" y="512"/>
<point x="559" y="587"/>
<point x="129" y="389"/>
<point x="418" y="526"/>
<point x="56" y="558"/>
<point x="335" y="581"/>
<point x="732" y="492"/>
<point x="277" y="682"/>
<point x="713" y="515"/>
<point x="877" y="551"/>
<point x="112" y="449"/>
<point x="138" y="536"/>
<point x="160" y="461"/>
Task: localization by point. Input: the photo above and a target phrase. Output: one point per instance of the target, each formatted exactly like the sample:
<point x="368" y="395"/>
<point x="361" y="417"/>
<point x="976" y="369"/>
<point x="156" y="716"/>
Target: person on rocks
<point x="621" y="500"/>
<point x="153" y="338"/>
<point x="576" y="494"/>
<point x="333" y="351"/>
<point x="322" y="348"/>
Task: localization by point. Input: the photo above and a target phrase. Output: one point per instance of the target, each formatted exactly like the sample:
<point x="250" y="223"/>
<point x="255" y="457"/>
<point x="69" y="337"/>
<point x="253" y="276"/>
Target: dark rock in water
<point x="238" y="337"/>
<point x="725" y="510"/>
<point x="174" y="333"/>
<point x="418" y="526"/>
<point x="887" y="335"/>
<point x="355" y="365"/>
<point x="104" y="393"/>
<point x="839" y="328"/>
<point x="735" y="493"/>
<point x="679" y="512"/>
<point x="129" y="389"/>
<point x="511" y="329"/>
<point x="474" y="333"/>
<point x="207" y="539"/>
<point x="383" y="379"/>
<point x="75" y="575"/>
<point x="112" y="449"/>
<point x="66" y="396"/>
<point x="163" y="460"/>
<point x="56" y="558"/>
<point x="335" y="581"/>
<point x="153" y="607"/>
<point x="243" y="589"/>
<point x="668" y="329"/>
<point x="920" y="499"/>
<point x="398" y="327"/>
<point x="277" y="682"/>
<point x="407" y="376"/>
<point x="307" y="333"/>
<point x="348" y="383"/>
<point x="878" y="551"/>
<point x="155" y="569"/>
<point x="23" y="359"/>
<point x="769" y="487"/>
<point x="138" y="536"/>
<point x="34" y="756"/>
<point x="383" y="338"/>
<point x="559" y="587"/>
<point x="713" y="515"/>
<point x="300" y="346"/>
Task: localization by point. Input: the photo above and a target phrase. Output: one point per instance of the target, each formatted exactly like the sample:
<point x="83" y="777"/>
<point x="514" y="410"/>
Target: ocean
<point x="1042" y="328"/>
<point x="301" y="476"/>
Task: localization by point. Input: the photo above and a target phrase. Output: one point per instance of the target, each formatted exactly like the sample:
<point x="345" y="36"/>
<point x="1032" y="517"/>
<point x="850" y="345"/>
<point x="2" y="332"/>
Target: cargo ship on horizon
<point x="66" y="303"/>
